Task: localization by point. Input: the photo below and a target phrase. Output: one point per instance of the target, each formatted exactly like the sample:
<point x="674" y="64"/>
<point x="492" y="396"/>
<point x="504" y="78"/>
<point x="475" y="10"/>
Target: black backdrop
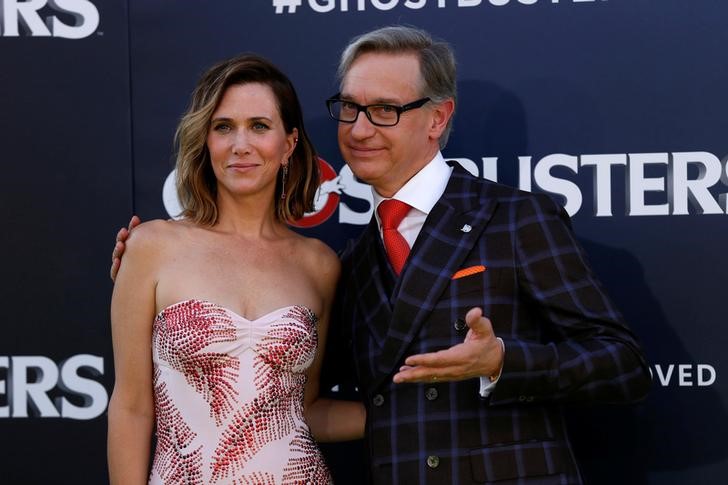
<point x="616" y="107"/>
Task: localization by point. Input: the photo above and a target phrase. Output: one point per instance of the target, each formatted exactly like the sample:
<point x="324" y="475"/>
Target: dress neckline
<point x="282" y="309"/>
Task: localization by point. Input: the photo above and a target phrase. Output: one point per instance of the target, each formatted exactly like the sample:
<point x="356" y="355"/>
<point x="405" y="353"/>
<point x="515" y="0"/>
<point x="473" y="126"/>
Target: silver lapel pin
<point x="466" y="228"/>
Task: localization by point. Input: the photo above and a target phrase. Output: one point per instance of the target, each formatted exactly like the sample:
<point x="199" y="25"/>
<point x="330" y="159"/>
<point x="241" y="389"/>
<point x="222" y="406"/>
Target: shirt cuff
<point x="487" y="384"/>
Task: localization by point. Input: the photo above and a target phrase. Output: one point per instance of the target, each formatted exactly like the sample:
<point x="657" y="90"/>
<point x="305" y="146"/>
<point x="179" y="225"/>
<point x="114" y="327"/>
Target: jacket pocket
<point x="475" y="283"/>
<point x="513" y="461"/>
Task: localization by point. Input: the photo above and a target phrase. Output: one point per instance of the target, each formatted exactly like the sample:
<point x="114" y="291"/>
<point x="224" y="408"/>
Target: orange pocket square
<point x="468" y="271"/>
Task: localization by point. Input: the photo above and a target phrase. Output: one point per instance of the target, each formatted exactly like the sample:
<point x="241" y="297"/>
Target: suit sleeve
<point x="590" y="353"/>
<point x="338" y="370"/>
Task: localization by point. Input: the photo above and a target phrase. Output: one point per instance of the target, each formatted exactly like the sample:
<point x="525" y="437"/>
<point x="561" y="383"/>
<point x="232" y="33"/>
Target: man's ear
<point x="441" y="114"/>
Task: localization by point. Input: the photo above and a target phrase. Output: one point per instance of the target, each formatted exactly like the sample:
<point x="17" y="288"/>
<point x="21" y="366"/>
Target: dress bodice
<point x="229" y="396"/>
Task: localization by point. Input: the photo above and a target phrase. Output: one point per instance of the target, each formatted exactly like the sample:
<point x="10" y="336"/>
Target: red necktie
<point x="391" y="212"/>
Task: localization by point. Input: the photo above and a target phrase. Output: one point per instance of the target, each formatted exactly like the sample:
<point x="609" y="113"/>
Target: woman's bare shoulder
<point x="321" y="259"/>
<point x="156" y="235"/>
<point x="319" y="250"/>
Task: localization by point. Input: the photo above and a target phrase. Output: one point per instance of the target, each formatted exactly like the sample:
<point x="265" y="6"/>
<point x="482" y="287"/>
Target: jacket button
<point x="460" y="325"/>
<point x="431" y="394"/>
<point x="522" y="398"/>
<point x="378" y="400"/>
<point x="433" y="461"/>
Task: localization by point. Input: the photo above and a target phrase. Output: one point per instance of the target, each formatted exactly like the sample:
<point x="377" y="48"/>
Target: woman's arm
<point x="131" y="408"/>
<point x="329" y="419"/>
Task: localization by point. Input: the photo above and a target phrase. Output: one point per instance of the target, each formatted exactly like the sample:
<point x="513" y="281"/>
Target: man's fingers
<point x="122" y="234"/>
<point x="118" y="249"/>
<point x="461" y="361"/>
<point x="442" y="358"/>
<point x="477" y="322"/>
<point x="473" y="313"/>
<point x="115" y="264"/>
<point x="422" y="374"/>
<point x="433" y="359"/>
<point x="134" y="222"/>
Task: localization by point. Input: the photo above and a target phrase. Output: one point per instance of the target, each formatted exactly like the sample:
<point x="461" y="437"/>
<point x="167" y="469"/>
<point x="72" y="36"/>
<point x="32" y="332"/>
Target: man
<point x="471" y="313"/>
<point x="447" y="401"/>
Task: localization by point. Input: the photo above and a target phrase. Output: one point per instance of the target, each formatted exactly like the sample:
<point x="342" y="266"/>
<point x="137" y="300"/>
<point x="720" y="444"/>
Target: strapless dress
<point x="228" y="396"/>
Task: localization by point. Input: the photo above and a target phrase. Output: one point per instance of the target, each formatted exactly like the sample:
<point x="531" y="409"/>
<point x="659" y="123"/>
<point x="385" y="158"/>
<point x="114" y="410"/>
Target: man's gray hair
<point x="437" y="61"/>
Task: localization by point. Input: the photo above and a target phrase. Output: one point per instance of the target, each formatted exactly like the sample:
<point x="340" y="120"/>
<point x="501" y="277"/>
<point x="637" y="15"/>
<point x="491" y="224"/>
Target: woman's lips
<point x="242" y="166"/>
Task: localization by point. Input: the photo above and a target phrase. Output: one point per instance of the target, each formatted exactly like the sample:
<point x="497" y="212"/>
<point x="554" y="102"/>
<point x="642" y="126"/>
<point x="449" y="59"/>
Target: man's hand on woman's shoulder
<point x="120" y="245"/>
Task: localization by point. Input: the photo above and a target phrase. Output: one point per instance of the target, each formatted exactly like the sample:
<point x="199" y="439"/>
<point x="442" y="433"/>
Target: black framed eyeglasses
<point x="379" y="114"/>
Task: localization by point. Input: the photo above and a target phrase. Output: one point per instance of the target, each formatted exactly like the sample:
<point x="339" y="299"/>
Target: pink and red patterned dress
<point x="228" y="395"/>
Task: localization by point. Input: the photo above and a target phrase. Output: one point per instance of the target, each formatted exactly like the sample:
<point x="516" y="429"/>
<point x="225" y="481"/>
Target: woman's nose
<point x="240" y="143"/>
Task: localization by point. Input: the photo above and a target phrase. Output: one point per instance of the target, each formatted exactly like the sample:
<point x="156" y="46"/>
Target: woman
<point x="234" y="303"/>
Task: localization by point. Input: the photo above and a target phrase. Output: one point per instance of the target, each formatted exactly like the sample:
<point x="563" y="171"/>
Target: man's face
<point x="387" y="157"/>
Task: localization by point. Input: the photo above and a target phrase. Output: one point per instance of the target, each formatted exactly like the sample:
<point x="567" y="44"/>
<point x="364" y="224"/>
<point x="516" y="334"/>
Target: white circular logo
<point x="169" y="196"/>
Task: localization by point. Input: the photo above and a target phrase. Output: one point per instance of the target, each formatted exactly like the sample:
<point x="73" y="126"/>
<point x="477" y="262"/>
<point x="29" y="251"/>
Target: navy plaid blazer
<point x="564" y="340"/>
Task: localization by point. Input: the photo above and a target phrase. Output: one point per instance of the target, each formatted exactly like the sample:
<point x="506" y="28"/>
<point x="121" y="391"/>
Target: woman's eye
<point x="222" y="127"/>
<point x="260" y="126"/>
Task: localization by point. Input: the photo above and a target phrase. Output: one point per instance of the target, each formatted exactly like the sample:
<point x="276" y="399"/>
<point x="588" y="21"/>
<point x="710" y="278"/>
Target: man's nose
<point x="362" y="127"/>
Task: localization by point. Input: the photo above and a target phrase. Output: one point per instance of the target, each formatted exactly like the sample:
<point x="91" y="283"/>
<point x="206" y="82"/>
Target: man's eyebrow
<point x="347" y="97"/>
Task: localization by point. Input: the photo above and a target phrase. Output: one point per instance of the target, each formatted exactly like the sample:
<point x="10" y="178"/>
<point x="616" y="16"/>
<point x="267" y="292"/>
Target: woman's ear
<point x="292" y="140"/>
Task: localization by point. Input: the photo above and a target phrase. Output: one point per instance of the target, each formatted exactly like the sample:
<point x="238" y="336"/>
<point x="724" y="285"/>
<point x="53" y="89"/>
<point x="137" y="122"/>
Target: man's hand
<point x="121" y="237"/>
<point x="480" y="355"/>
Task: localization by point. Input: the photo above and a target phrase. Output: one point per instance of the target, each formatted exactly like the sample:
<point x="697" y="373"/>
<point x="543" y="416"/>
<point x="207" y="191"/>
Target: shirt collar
<point x="424" y="189"/>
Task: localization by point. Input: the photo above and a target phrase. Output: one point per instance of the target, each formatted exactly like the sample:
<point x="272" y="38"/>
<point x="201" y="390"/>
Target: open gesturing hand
<point x="480" y="355"/>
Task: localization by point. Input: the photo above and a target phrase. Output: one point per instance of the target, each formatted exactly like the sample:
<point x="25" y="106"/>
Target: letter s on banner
<point x="85" y="13"/>
<point x="94" y="394"/>
<point x="14" y="13"/>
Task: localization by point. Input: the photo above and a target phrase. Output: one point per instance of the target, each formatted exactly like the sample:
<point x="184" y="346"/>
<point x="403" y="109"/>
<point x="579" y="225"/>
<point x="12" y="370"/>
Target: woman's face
<point x="247" y="141"/>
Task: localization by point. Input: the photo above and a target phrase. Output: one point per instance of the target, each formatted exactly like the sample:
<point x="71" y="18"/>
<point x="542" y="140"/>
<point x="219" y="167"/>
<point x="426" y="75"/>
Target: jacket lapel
<point x="369" y="292"/>
<point x="450" y="232"/>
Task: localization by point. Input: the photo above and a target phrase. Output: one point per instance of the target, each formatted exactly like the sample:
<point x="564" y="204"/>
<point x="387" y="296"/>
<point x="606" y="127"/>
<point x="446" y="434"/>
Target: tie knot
<point x="391" y="212"/>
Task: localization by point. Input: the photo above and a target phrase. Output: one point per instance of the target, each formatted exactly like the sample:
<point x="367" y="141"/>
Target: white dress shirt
<point x="422" y="192"/>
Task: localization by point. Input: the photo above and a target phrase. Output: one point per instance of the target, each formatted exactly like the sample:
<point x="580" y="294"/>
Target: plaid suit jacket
<point x="564" y="340"/>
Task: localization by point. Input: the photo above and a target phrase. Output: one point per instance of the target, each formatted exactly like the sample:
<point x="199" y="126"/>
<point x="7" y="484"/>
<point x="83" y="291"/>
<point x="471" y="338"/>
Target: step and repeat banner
<point x="617" y="108"/>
